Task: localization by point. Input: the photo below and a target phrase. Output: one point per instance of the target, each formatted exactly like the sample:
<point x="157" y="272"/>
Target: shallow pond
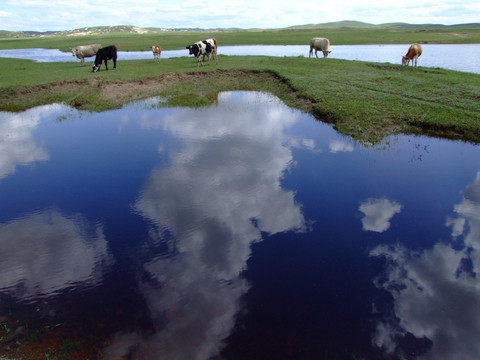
<point x="246" y="230"/>
<point x="434" y="55"/>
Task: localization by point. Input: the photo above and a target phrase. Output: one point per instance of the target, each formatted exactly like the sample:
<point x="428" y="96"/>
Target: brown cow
<point x="413" y="53"/>
<point x="157" y="50"/>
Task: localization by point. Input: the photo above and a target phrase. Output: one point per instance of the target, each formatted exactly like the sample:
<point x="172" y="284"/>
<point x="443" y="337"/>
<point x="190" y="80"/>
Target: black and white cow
<point x="105" y="54"/>
<point x="204" y="48"/>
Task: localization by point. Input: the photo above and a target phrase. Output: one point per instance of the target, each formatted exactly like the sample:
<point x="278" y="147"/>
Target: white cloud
<point x="45" y="252"/>
<point x="436" y="296"/>
<point x="18" y="15"/>
<point x="17" y="143"/>
<point x="220" y="192"/>
<point x="378" y="213"/>
<point x="339" y="146"/>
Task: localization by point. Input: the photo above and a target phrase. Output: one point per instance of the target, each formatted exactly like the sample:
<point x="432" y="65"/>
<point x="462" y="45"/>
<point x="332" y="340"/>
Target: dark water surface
<point x="245" y="230"/>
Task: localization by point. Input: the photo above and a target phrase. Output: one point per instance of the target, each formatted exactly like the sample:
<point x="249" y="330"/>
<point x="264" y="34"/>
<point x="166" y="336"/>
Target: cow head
<point x="74" y="51"/>
<point x="96" y="67"/>
<point x="326" y="52"/>
<point x="405" y="61"/>
<point x="193" y="49"/>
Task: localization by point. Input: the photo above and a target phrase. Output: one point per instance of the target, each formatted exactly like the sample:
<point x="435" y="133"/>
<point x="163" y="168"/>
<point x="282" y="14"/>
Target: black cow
<point x="105" y="54"/>
<point x="204" y="48"/>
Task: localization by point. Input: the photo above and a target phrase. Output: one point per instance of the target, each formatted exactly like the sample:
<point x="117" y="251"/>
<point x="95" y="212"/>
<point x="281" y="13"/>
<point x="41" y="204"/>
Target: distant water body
<point x="434" y="55"/>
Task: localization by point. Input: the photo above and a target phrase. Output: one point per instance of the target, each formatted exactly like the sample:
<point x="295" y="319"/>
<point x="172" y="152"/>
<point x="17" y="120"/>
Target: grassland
<point x="367" y="101"/>
<point x="173" y="40"/>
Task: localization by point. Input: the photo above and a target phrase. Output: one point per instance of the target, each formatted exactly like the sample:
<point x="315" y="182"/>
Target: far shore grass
<point x="367" y="101"/>
<point x="175" y="40"/>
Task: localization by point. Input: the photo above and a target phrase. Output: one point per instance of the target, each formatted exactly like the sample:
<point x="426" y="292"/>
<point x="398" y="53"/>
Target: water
<point x="246" y="229"/>
<point x="460" y="57"/>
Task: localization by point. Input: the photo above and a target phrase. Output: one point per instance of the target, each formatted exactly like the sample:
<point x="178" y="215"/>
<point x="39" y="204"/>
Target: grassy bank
<point x="365" y="100"/>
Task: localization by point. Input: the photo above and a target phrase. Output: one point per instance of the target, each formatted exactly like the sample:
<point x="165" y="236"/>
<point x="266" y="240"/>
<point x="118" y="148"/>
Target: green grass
<point x="173" y="40"/>
<point x="365" y="100"/>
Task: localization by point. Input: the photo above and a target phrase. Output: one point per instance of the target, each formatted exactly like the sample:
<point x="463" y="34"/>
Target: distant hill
<point x="346" y="24"/>
<point x="351" y="24"/>
<point x="96" y="30"/>
<point x="129" y="29"/>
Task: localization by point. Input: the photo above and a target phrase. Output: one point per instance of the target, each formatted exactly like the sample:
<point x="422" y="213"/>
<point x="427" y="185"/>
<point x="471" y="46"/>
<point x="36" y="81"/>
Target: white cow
<point x="322" y="44"/>
<point x="83" y="51"/>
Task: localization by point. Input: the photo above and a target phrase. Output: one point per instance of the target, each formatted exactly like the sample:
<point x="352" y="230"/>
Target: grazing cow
<point x="204" y="48"/>
<point x="83" y="51"/>
<point x="105" y="54"/>
<point x="413" y="53"/>
<point x="157" y="50"/>
<point x="322" y="44"/>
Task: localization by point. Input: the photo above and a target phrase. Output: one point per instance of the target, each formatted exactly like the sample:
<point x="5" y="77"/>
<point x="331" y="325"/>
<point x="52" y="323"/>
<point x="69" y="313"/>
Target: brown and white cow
<point x="83" y="51"/>
<point x="204" y="48"/>
<point x="319" y="44"/>
<point x="413" y="54"/>
<point x="157" y="50"/>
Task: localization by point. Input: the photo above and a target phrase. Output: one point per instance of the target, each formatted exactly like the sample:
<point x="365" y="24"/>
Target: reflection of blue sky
<point x="220" y="193"/>
<point x="42" y="253"/>
<point x="436" y="291"/>
<point x="378" y="213"/>
<point x="17" y="144"/>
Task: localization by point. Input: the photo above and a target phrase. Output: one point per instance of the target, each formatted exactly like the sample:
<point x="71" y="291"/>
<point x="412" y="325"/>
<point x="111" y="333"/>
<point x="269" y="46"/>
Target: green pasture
<point x="364" y="100"/>
<point x="174" y="40"/>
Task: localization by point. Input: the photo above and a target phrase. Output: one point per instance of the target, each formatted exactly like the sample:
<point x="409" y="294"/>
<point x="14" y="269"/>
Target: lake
<point x="434" y="55"/>
<point x="243" y="230"/>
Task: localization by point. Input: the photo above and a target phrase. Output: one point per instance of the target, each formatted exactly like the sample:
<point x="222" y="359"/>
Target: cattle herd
<point x="208" y="48"/>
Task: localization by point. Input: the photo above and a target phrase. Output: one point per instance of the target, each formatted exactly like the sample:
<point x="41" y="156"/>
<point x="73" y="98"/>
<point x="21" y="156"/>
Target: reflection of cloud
<point x="378" y="213"/>
<point x="220" y="193"/>
<point x="468" y="214"/>
<point x="17" y="145"/>
<point x="340" y="146"/>
<point x="46" y="252"/>
<point x="436" y="292"/>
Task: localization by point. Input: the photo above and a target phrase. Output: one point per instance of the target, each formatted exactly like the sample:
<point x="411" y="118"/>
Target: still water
<point x="434" y="55"/>
<point x="244" y="230"/>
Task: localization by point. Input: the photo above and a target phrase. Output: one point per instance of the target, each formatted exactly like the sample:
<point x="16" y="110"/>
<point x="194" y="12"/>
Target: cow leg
<point x="83" y="61"/>
<point x="316" y="53"/>
<point x="216" y="57"/>
<point x="114" y="62"/>
<point x="106" y="64"/>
